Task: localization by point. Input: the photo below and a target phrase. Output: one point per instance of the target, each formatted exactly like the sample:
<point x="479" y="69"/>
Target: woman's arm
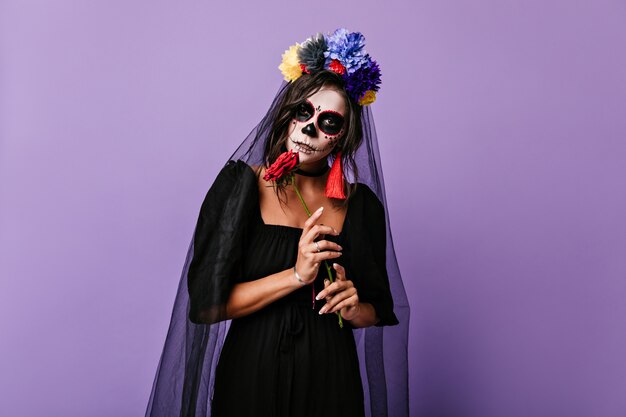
<point x="248" y="297"/>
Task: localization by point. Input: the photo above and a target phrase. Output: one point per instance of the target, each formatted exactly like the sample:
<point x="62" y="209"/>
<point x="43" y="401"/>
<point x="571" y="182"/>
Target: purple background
<point x="502" y="128"/>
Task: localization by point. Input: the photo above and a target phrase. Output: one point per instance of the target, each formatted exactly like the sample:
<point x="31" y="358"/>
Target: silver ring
<point x="318" y="246"/>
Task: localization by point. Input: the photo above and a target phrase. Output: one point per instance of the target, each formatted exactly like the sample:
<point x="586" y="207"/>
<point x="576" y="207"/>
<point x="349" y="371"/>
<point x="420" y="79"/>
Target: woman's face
<point x="318" y="124"/>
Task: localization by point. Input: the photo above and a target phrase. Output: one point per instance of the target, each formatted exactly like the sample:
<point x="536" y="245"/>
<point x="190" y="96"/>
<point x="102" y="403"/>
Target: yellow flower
<point x="290" y="67"/>
<point x="368" y="98"/>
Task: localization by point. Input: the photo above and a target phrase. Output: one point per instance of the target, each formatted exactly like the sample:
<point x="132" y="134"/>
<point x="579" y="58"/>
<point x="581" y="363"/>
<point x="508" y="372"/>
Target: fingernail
<point x="340" y="247"/>
<point x="317" y="297"/>
<point x="335" y="265"/>
<point x="321" y="208"/>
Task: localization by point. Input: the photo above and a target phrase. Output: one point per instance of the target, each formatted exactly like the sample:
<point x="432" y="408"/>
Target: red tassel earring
<point x="334" y="183"/>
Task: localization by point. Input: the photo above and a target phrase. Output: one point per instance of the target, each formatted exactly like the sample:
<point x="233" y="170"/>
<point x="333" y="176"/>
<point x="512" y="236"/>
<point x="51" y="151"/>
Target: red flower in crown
<point x="304" y="69"/>
<point x="337" y="66"/>
<point x="282" y="167"/>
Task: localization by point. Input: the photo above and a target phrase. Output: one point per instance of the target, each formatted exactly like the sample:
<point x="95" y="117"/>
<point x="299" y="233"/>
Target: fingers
<point x="341" y="283"/>
<point x="327" y="250"/>
<point x="316" y="230"/>
<point x="341" y="272"/>
<point x="349" y="304"/>
<point x="325" y="245"/>
<point x="326" y="284"/>
<point x="311" y="220"/>
<point x="321" y="256"/>
<point x="343" y="299"/>
<point x="311" y="254"/>
<point x="311" y="229"/>
<point x="340" y="294"/>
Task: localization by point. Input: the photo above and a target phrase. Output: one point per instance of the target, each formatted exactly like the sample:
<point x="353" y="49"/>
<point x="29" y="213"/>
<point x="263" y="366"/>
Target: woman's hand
<point x="310" y="252"/>
<point x="340" y="295"/>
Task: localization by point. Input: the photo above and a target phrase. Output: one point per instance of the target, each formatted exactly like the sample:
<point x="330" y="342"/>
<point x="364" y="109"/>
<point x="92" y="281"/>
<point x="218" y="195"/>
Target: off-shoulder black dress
<point x="285" y="359"/>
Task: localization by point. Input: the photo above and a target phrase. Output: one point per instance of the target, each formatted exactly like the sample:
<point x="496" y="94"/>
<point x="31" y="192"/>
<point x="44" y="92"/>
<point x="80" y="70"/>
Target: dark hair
<point x="297" y="90"/>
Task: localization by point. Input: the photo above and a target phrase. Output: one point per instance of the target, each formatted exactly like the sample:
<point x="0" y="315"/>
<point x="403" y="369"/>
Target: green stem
<point x="328" y="270"/>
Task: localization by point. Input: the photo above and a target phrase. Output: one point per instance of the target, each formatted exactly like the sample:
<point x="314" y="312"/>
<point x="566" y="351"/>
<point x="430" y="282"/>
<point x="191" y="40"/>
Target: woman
<point x="259" y="268"/>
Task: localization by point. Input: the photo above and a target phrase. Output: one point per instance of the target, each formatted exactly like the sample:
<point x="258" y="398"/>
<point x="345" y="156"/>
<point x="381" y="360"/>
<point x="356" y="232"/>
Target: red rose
<point x="283" y="165"/>
<point x="337" y="67"/>
<point x="304" y="69"/>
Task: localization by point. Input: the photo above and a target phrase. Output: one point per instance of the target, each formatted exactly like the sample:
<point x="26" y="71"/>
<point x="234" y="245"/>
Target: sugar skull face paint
<point x="317" y="125"/>
<point x="329" y="122"/>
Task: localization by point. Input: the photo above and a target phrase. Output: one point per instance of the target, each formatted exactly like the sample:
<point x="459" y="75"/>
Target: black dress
<point x="285" y="359"/>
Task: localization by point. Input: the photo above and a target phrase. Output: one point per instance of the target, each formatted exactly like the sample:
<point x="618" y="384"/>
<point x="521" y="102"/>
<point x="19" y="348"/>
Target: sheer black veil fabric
<point x="183" y="385"/>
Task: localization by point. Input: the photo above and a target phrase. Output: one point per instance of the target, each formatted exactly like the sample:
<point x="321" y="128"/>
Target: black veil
<point x="183" y="385"/>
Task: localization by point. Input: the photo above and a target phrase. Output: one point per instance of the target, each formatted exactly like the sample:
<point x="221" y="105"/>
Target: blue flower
<point x="347" y="47"/>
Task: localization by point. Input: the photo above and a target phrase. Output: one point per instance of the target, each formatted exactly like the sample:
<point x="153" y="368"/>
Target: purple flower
<point x="366" y="77"/>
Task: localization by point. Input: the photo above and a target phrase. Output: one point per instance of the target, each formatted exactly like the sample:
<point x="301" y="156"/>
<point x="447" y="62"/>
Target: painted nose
<point x="310" y="130"/>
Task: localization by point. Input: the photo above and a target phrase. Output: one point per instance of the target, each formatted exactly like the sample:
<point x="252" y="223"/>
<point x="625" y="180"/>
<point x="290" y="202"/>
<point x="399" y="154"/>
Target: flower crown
<point x="341" y="52"/>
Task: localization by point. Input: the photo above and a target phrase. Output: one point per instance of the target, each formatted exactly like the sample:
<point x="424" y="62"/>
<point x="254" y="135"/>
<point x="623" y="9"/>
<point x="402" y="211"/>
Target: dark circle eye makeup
<point x="328" y="121"/>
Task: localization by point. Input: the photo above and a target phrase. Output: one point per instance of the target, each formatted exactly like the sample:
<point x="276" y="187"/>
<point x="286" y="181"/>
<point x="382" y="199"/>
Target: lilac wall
<point x="502" y="128"/>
